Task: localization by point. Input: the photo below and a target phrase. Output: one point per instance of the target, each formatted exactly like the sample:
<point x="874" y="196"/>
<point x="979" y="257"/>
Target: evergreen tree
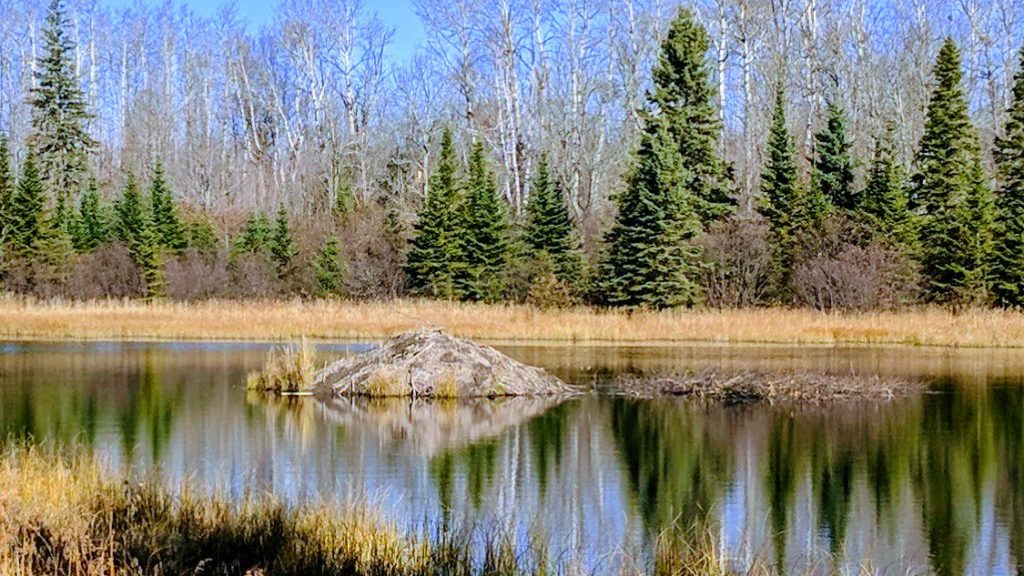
<point x="344" y="201"/>
<point x="6" y="189"/>
<point x="950" y="190"/>
<point x="1008" y="260"/>
<point x="255" y="235"/>
<point x="130" y="216"/>
<point x="148" y="256"/>
<point x="783" y="204"/>
<point x="26" y="216"/>
<point x="330" y="274"/>
<point x="883" y="202"/>
<point x="650" y="261"/>
<point x="282" y="247"/>
<point x="435" y="261"/>
<point x="167" y="224"/>
<point x="832" y="176"/>
<point x="59" y="136"/>
<point x="486" y="239"/>
<point x="91" y="227"/>
<point x="201" y="235"/>
<point x="683" y="101"/>
<point x="549" y="228"/>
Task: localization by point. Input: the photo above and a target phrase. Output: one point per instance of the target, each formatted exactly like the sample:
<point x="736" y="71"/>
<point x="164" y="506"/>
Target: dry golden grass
<point x="288" y="320"/>
<point x="288" y="369"/>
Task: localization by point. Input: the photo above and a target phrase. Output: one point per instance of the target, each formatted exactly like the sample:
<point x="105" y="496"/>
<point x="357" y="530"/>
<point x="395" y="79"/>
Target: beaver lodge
<point x="432" y="364"/>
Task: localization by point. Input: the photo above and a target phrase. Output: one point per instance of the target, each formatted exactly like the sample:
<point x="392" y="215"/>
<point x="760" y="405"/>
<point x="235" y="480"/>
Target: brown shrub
<point x="253" y="276"/>
<point x="108" y="272"/>
<point x="739" y="263"/>
<point x="196" y="276"/>
<point x="373" y="245"/>
<point x="855" y="278"/>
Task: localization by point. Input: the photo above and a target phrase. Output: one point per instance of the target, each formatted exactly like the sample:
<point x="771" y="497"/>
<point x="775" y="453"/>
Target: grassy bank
<point x="289" y="320"/>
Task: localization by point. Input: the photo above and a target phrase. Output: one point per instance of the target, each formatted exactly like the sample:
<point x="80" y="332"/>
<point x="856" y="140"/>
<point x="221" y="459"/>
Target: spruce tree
<point x="166" y="222"/>
<point x="683" y="99"/>
<point x="130" y="216"/>
<point x="91" y="227"/>
<point x="832" y="176"/>
<point x="549" y="229"/>
<point x="435" y="261"/>
<point x="329" y="272"/>
<point x="201" y="235"/>
<point x="650" y="261"/>
<point x="783" y="204"/>
<point x="26" y="216"/>
<point x="148" y="256"/>
<point x="59" y="116"/>
<point x="1008" y="257"/>
<point x="485" y="246"/>
<point x="6" y="189"/>
<point x="254" y="236"/>
<point x="949" y="189"/>
<point x="884" y="203"/>
<point x="282" y="247"/>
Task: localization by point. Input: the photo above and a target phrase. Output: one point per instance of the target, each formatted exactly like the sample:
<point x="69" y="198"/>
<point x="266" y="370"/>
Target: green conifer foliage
<point x="1008" y="260"/>
<point x="282" y="247"/>
<point x="6" y="188"/>
<point x="832" y="176"/>
<point x="59" y="136"/>
<point x="148" y="256"/>
<point x="167" y="223"/>
<point x="884" y="201"/>
<point x="202" y="237"/>
<point x="549" y="229"/>
<point x="683" y="99"/>
<point x="486" y="239"/>
<point x="783" y="205"/>
<point x="91" y="226"/>
<point x="951" y="192"/>
<point x="130" y="215"/>
<point x="26" y="216"/>
<point x="650" y="261"/>
<point x="328" y="269"/>
<point x="435" y="261"/>
<point x="255" y="234"/>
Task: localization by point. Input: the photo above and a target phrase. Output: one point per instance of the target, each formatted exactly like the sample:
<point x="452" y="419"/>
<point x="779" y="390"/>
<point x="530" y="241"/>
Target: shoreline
<point x="333" y="321"/>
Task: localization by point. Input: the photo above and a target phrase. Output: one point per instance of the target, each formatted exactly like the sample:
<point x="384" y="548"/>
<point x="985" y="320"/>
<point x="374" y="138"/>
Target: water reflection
<point x="928" y="484"/>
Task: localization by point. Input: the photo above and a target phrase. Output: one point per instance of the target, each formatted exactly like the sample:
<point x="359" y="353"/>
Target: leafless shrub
<point x="109" y="272"/>
<point x="854" y="278"/>
<point x="738" y="271"/>
<point x="253" y="276"/>
<point x="195" y="276"/>
<point x="373" y="243"/>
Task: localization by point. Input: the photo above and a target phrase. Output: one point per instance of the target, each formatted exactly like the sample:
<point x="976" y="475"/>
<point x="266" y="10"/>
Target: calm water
<point x="931" y="484"/>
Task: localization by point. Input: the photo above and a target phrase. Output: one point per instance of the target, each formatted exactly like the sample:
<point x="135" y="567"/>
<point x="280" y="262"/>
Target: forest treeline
<point x="827" y="225"/>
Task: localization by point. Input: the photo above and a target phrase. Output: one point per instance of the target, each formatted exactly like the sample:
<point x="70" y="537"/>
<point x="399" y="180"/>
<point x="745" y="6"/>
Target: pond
<point x="928" y="484"/>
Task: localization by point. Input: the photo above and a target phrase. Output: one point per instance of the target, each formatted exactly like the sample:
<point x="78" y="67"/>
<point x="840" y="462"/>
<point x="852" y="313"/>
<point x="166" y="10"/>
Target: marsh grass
<point x="387" y="383"/>
<point x="287" y="370"/>
<point x="22" y="318"/>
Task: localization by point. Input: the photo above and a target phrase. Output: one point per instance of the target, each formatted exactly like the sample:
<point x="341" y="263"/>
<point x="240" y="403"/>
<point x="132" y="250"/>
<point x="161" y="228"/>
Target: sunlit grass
<point x="321" y="319"/>
<point x="287" y="370"/>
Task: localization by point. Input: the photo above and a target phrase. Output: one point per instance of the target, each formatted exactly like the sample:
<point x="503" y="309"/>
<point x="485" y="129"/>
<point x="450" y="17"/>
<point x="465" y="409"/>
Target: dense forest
<point x="838" y="154"/>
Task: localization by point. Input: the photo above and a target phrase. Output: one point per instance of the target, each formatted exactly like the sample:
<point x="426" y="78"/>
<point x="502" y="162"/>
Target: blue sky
<point x="398" y="13"/>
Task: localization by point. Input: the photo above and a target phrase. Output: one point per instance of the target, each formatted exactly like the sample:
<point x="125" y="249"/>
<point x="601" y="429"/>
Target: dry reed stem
<point x="322" y="319"/>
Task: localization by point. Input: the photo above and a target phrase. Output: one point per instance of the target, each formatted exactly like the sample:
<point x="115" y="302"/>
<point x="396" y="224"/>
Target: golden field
<point x="345" y="320"/>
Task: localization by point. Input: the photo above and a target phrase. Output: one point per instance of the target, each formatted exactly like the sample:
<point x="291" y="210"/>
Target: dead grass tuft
<point x="288" y="369"/>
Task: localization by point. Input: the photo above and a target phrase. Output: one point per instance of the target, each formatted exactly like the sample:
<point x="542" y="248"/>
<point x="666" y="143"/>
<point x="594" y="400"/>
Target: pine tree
<point x="254" y="236"/>
<point x="486" y="239"/>
<point x="950" y="190"/>
<point x="650" y="261"/>
<point x="435" y="261"/>
<point x="6" y="189"/>
<point x="329" y="272"/>
<point x="683" y="100"/>
<point x="59" y="136"/>
<point x="1008" y="258"/>
<point x="783" y="204"/>
<point x="130" y="215"/>
<point x="26" y="215"/>
<point x="282" y="247"/>
<point x="166" y="222"/>
<point x="884" y="202"/>
<point x="832" y="176"/>
<point x="549" y="228"/>
<point x="91" y="227"/>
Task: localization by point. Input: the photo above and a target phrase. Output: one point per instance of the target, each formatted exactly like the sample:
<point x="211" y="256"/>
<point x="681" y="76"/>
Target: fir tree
<point x="91" y="227"/>
<point x="6" y="189"/>
<point x="650" y="261"/>
<point x="549" y="228"/>
<point x="201" y="235"/>
<point x="950" y="190"/>
<point x="486" y="239"/>
<point x="26" y="216"/>
<point x="254" y="236"/>
<point x="329" y="272"/>
<point x="59" y="136"/>
<point x="883" y="202"/>
<point x="683" y="101"/>
<point x="282" y="247"/>
<point x="166" y="222"/>
<point x="832" y="176"/>
<point x="148" y="256"/>
<point x="435" y="262"/>
<point x="130" y="216"/>
<point x="783" y="205"/>
<point x="1008" y="258"/>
